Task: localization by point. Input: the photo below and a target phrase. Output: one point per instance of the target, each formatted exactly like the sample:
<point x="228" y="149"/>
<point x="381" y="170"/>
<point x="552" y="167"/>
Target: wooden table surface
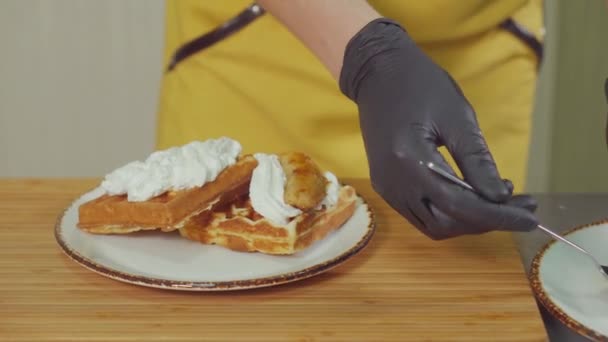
<point x="402" y="287"/>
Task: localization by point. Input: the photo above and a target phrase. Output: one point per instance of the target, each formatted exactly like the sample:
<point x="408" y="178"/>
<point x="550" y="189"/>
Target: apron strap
<point x="525" y="36"/>
<point x="255" y="11"/>
<point x="228" y="28"/>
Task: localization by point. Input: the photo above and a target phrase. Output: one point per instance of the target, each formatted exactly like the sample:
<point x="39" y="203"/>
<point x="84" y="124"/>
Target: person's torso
<point x="427" y="21"/>
<point x="263" y="87"/>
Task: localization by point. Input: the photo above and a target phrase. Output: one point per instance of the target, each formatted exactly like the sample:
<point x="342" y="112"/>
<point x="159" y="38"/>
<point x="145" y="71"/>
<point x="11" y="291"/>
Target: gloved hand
<point x="408" y="107"/>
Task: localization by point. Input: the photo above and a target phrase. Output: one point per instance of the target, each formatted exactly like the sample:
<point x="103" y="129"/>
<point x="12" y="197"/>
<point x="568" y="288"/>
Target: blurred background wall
<point x="79" y="83"/>
<point x="568" y="152"/>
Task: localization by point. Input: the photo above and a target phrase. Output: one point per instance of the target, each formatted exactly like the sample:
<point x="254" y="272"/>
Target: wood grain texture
<point x="402" y="287"/>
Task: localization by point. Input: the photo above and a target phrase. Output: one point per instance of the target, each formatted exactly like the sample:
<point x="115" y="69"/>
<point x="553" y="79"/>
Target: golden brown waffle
<point x="169" y="211"/>
<point x="239" y="227"/>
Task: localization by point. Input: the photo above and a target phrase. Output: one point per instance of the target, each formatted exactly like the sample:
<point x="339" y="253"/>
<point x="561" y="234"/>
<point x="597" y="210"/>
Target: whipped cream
<point x="176" y="168"/>
<point x="267" y="189"/>
<point x="332" y="192"/>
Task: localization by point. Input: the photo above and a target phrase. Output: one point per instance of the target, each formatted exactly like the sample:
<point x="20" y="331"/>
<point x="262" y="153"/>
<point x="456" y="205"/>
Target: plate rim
<point x="545" y="299"/>
<point x="215" y="286"/>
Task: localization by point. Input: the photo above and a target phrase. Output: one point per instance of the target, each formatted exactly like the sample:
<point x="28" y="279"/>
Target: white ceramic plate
<point x="168" y="261"/>
<point x="568" y="284"/>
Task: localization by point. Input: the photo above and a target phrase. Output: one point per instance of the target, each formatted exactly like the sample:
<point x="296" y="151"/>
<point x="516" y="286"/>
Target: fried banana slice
<point x="306" y="186"/>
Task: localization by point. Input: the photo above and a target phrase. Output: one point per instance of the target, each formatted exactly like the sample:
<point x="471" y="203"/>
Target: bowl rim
<point x="545" y="299"/>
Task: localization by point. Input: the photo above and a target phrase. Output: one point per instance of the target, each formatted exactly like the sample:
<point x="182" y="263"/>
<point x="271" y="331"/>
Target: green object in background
<point x="568" y="152"/>
<point x="606" y="93"/>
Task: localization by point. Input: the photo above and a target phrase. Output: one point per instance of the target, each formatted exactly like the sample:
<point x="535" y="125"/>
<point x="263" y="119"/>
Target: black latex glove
<point x="408" y="107"/>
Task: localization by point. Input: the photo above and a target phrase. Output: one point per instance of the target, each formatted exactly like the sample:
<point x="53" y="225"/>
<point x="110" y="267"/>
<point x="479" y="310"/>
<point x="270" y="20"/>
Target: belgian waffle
<point x="168" y="211"/>
<point x="238" y="227"/>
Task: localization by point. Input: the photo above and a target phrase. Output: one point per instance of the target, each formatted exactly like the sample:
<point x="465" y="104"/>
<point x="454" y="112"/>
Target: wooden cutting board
<point x="402" y="287"/>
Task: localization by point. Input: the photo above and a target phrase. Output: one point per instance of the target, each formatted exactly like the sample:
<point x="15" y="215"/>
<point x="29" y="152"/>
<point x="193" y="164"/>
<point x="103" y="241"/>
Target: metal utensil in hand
<point x="603" y="269"/>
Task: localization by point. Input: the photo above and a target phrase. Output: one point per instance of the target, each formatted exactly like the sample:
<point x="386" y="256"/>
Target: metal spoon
<point x="603" y="269"/>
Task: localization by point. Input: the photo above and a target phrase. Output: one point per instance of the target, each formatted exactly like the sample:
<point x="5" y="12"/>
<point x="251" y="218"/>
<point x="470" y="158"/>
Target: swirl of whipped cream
<point x="333" y="190"/>
<point x="176" y="168"/>
<point x="267" y="189"/>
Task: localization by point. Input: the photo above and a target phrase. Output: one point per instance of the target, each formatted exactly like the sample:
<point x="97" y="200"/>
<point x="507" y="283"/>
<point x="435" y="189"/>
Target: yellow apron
<point x="262" y="86"/>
